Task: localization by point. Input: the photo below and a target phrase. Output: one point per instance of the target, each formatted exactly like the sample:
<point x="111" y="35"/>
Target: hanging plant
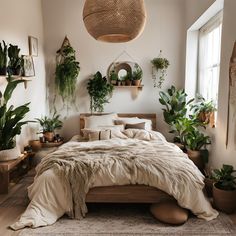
<point x="67" y="71"/>
<point x="159" y="70"/>
<point x="99" y="91"/>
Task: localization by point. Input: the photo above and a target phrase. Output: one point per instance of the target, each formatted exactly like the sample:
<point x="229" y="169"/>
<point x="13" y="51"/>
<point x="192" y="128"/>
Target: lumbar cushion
<point x="169" y="212"/>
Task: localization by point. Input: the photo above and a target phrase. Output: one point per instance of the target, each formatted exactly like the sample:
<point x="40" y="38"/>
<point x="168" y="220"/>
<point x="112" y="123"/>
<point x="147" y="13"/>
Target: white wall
<point x="219" y="153"/>
<point x="19" y="19"/>
<point x="164" y="30"/>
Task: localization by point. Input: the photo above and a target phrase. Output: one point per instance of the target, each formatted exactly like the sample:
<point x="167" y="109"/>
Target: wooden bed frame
<point x="126" y="193"/>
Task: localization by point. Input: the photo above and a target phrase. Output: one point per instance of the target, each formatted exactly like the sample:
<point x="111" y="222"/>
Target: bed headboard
<point x="151" y="117"/>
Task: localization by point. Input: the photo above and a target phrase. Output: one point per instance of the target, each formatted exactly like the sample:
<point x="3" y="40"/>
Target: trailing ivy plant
<point x="67" y="71"/>
<point x="160" y="66"/>
<point x="99" y="91"/>
<point x="10" y="117"/>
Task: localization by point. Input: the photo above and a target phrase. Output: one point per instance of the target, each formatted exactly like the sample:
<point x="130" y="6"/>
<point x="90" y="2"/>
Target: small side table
<point x="6" y="167"/>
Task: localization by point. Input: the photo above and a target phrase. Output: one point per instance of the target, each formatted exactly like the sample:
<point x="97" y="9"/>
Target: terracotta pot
<point x="136" y="82"/>
<point x="114" y="82"/>
<point x="35" y="144"/>
<point x="9" y="154"/>
<point x="123" y="83"/>
<point x="49" y="136"/>
<point x="224" y="200"/>
<point x="128" y="82"/>
<point x="209" y="186"/>
<point x="196" y="158"/>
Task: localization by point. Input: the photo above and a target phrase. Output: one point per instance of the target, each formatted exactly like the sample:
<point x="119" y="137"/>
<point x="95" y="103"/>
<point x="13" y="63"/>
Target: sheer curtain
<point x="209" y="58"/>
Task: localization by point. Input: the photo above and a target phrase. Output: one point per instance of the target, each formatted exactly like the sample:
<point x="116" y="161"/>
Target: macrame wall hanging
<point x="231" y="116"/>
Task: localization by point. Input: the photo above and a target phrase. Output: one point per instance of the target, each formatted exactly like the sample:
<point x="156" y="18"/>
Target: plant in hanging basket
<point x="99" y="91"/>
<point x="67" y="71"/>
<point x="160" y="66"/>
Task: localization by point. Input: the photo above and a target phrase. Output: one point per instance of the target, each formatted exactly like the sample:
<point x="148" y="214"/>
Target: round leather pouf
<point x="169" y="212"/>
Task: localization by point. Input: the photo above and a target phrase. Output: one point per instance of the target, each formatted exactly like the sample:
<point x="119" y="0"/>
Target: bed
<point x="133" y="166"/>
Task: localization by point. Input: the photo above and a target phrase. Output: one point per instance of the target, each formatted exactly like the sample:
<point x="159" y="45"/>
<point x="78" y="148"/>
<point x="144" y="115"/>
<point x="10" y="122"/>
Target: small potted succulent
<point x="137" y="75"/>
<point x="224" y="189"/>
<point x="3" y="58"/>
<point x="15" y="65"/>
<point x="160" y="66"/>
<point x="49" y="125"/>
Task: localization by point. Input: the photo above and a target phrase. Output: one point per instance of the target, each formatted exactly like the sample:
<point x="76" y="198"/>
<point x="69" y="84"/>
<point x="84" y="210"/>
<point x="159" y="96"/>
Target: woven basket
<point x="114" y="20"/>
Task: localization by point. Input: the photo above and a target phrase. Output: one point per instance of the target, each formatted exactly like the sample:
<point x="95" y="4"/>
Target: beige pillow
<point x="92" y="122"/>
<point x="99" y="135"/>
<point x="135" y="126"/>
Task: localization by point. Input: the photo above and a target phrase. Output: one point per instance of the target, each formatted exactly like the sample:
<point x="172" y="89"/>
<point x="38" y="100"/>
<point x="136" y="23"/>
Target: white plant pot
<point x="9" y="154"/>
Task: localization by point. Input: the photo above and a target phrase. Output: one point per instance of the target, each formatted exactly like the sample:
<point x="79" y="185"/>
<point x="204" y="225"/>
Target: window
<point x="209" y="58"/>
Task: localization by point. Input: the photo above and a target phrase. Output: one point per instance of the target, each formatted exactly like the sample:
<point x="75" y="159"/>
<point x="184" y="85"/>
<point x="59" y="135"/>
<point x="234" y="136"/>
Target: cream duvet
<point x="133" y="157"/>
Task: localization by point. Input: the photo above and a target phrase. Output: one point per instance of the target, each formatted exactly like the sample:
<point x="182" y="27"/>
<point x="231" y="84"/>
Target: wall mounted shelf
<point x="17" y="77"/>
<point x="140" y="87"/>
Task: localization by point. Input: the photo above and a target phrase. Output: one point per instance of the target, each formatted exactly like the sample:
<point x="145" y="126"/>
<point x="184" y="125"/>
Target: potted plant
<point x="204" y="110"/>
<point x="49" y="125"/>
<point x="3" y="58"/>
<point x="224" y="189"/>
<point x="67" y="71"/>
<point x="113" y="77"/>
<point x="10" y="123"/>
<point x="160" y="66"/>
<point x="137" y="75"/>
<point x="15" y="65"/>
<point x="99" y="91"/>
<point x="195" y="143"/>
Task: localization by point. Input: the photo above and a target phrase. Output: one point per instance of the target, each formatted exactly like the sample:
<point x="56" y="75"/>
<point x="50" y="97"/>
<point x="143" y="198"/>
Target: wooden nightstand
<point x="8" y="167"/>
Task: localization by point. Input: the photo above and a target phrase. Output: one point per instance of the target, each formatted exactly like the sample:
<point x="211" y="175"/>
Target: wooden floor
<point x="14" y="203"/>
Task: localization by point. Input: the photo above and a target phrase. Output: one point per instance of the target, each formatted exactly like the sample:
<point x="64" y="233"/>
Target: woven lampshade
<point x="114" y="21"/>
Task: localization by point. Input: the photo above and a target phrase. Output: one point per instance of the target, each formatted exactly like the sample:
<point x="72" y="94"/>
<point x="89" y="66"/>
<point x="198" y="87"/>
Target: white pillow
<point x="134" y="120"/>
<point x="92" y="122"/>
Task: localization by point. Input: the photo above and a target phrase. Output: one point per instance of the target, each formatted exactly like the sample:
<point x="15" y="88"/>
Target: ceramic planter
<point x="196" y="158"/>
<point x="49" y="136"/>
<point x="137" y="82"/>
<point x="9" y="154"/>
<point x="128" y="82"/>
<point x="113" y="82"/>
<point x="123" y="83"/>
<point x="224" y="200"/>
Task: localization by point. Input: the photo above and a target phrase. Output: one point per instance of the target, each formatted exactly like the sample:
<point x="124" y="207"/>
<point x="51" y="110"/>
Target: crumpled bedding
<point x="132" y="157"/>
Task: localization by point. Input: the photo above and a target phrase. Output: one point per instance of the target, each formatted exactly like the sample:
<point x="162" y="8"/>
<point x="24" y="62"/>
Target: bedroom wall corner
<point x="20" y="19"/>
<point x="163" y="31"/>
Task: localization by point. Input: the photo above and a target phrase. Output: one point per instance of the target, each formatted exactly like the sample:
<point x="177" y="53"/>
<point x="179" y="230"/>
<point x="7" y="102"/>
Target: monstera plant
<point x="10" y="122"/>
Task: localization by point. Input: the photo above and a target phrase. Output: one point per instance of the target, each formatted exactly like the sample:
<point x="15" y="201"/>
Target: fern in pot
<point x="10" y="123"/>
<point x="99" y="91"/>
<point x="49" y="125"/>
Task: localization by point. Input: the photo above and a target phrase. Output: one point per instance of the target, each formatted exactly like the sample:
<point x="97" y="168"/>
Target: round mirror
<point x="122" y="73"/>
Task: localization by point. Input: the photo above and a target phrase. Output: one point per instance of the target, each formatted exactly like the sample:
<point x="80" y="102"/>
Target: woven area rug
<point x="121" y="219"/>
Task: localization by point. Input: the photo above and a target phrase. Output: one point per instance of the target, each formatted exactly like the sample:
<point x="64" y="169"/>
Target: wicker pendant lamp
<point x="114" y="21"/>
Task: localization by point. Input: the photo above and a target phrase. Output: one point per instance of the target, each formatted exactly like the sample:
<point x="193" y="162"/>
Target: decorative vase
<point x="9" y="154"/>
<point x="196" y="158"/>
<point x="35" y="144"/>
<point x="49" y="136"/>
<point x="224" y="200"/>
